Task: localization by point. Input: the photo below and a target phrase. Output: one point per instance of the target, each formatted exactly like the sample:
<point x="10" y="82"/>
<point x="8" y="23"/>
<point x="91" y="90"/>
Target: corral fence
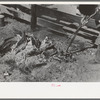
<point x="54" y="20"/>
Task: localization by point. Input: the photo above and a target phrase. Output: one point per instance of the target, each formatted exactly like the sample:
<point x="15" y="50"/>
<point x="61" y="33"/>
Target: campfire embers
<point x="25" y="46"/>
<point x="40" y="47"/>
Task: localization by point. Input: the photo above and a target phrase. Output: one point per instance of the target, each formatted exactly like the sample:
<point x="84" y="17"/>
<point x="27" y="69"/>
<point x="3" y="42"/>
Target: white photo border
<point x="42" y="90"/>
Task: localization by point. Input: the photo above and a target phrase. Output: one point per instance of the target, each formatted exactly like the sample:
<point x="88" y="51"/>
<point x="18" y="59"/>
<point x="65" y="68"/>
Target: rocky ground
<point x="47" y="68"/>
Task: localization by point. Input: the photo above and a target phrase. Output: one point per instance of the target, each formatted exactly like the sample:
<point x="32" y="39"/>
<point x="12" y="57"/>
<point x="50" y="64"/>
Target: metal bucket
<point x="2" y="23"/>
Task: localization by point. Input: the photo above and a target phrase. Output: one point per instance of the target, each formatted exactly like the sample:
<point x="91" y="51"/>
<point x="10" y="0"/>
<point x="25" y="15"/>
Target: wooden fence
<point x="54" y="20"/>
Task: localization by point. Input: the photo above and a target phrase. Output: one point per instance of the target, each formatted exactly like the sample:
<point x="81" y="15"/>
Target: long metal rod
<point x="74" y="37"/>
<point x="83" y="24"/>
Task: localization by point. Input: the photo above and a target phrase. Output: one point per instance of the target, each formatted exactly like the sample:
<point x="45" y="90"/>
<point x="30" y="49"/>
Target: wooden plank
<point x="34" y="17"/>
<point x="15" y="13"/>
<point x="50" y="25"/>
<point x="4" y="10"/>
<point x="54" y="25"/>
<point x="55" y="14"/>
<point x="85" y="36"/>
<point x="60" y="29"/>
<point x="62" y="16"/>
<point x="71" y="25"/>
<point x="24" y="8"/>
<point x="28" y="6"/>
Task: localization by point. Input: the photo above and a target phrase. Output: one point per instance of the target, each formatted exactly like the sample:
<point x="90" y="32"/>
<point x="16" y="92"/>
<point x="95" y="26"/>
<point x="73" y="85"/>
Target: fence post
<point x="33" y="16"/>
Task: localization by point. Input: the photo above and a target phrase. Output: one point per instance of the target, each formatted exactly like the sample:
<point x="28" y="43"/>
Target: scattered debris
<point x="6" y="73"/>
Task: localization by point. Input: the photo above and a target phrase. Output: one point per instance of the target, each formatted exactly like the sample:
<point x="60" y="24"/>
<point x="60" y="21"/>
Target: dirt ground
<point x="79" y="68"/>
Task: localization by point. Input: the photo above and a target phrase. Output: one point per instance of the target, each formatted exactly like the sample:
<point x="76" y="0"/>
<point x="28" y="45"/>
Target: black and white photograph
<point x="49" y="43"/>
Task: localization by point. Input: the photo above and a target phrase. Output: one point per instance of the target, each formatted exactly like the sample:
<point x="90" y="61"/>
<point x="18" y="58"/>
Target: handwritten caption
<point x="55" y="85"/>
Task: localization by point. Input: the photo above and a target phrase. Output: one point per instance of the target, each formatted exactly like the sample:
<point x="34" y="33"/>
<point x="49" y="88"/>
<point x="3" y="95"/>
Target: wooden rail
<point x="52" y="19"/>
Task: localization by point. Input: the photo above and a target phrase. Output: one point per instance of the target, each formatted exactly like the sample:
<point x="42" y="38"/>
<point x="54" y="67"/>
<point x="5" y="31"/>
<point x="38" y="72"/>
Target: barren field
<point x="48" y="66"/>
